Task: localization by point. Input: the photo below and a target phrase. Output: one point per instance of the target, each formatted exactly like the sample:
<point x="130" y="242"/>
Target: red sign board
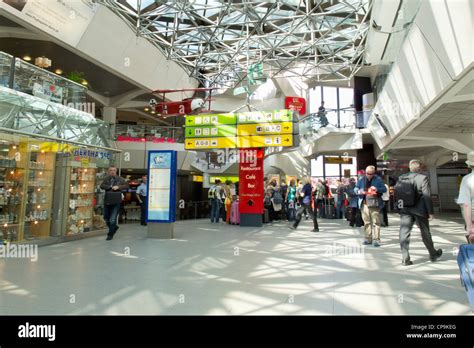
<point x="296" y="104"/>
<point x="150" y="139"/>
<point x="174" y="108"/>
<point x="251" y="188"/>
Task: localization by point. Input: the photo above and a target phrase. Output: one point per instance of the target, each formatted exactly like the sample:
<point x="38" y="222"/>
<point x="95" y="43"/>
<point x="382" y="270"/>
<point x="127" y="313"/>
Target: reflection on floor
<point x="220" y="269"/>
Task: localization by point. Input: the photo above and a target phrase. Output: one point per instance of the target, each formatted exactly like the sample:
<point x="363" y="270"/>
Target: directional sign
<point x="211" y="120"/>
<point x="265" y="117"/>
<point x="265" y="141"/>
<point x="209" y="143"/>
<point x="211" y="131"/>
<point x="265" y="128"/>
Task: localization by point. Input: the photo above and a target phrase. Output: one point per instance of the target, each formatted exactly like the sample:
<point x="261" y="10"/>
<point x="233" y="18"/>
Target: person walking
<point x="305" y="194"/>
<point x="353" y="204"/>
<point x="113" y="185"/>
<point x="386" y="202"/>
<point x="291" y="201"/>
<point x="340" y="198"/>
<point x="370" y="189"/>
<point x="466" y="199"/>
<point x="141" y="195"/>
<point x="319" y="195"/>
<point x="413" y="197"/>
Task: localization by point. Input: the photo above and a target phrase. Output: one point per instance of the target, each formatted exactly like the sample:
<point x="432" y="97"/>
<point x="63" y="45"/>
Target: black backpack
<point x="277" y="197"/>
<point x="405" y="192"/>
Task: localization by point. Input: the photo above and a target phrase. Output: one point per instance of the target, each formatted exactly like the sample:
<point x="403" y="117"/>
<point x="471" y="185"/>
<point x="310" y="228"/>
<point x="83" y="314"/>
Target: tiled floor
<point x="220" y="269"/>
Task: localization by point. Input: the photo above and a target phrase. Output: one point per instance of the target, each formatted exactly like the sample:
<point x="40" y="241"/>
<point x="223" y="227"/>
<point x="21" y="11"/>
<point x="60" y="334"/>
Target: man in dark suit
<point x="421" y="212"/>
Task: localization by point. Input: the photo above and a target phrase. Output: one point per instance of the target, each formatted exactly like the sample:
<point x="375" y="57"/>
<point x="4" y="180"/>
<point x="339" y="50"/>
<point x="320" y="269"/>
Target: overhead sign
<point x="338" y="160"/>
<point x="265" y="141"/>
<point x="211" y="131"/>
<point x="261" y="117"/>
<point x="223" y="179"/>
<point x="209" y="143"/>
<point x="296" y="103"/>
<point x="265" y="128"/>
<point x="161" y="186"/>
<point x="251" y="188"/>
<point x="198" y="178"/>
<point x="210" y="120"/>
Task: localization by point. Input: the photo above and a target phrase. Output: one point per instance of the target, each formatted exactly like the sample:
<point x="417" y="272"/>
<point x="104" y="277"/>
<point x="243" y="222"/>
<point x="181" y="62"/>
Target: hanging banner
<point x="161" y="186"/>
<point x="251" y="188"/>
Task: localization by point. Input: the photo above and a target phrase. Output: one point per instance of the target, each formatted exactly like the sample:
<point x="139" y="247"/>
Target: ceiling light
<point x="84" y="82"/>
<point x="58" y="71"/>
<point x="146" y="109"/>
<point x="153" y="112"/>
<point x="27" y="58"/>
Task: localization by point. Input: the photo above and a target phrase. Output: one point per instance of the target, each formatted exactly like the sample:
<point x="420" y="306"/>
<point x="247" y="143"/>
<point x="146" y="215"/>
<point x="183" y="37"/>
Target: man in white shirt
<point x="466" y="198"/>
<point x="141" y="196"/>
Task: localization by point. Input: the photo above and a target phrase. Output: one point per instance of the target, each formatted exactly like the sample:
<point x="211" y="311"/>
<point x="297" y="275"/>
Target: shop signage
<point x="81" y="152"/>
<point x="198" y="178"/>
<point x="251" y="188"/>
<point x="211" y="131"/>
<point x="209" y="143"/>
<point x="265" y="141"/>
<point x="296" y="103"/>
<point x="338" y="160"/>
<point x="161" y="186"/>
<point x="210" y="120"/>
<point x="265" y="128"/>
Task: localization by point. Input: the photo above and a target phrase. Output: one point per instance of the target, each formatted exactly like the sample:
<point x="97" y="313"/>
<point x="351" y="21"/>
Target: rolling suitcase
<point x="329" y="208"/>
<point x="466" y="267"/>
<point x="234" y="213"/>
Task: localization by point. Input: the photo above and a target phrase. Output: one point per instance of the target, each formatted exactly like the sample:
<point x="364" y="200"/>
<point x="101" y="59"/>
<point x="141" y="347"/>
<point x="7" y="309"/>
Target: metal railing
<point x="124" y="132"/>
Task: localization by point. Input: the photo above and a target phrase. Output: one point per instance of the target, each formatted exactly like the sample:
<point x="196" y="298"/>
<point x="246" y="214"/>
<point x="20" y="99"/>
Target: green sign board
<point x="210" y="120"/>
<point x="211" y="131"/>
<point x="265" y="117"/>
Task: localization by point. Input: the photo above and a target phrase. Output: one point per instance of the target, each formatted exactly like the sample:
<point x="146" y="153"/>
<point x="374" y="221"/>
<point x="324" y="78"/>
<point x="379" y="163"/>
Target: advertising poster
<point x="251" y="188"/>
<point x="161" y="186"/>
<point x="64" y="19"/>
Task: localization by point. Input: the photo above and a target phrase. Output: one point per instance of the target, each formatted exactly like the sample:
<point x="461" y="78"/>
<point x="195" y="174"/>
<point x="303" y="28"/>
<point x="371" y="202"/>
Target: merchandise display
<point x="11" y="183"/>
<point x="81" y="200"/>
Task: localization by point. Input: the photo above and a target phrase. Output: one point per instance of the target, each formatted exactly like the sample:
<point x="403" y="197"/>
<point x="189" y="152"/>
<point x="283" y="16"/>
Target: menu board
<point x="161" y="186"/>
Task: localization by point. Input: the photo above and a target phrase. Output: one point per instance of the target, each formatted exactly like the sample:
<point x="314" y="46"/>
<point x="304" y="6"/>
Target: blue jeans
<point x="215" y="209"/>
<point x="340" y="209"/>
<point x="110" y="216"/>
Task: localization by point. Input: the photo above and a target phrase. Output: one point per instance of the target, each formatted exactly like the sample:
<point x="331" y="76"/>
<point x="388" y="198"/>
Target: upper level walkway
<point x="220" y="269"/>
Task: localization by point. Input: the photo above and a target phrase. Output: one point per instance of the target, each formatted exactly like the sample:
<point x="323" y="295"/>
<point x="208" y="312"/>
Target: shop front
<point x="50" y="189"/>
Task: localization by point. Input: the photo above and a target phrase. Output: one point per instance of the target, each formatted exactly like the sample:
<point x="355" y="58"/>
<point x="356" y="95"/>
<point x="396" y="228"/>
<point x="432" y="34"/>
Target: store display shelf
<point x="46" y="186"/>
<point x="13" y="224"/>
<point x="6" y="205"/>
<point x="39" y="220"/>
<point x="43" y="170"/>
<point x="82" y="180"/>
<point x="83" y="205"/>
<point x="82" y="193"/>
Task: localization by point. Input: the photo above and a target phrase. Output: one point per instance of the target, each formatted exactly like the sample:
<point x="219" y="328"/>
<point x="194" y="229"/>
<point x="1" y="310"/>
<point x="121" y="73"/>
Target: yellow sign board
<point x="198" y="178"/>
<point x="338" y="160"/>
<point x="265" y="128"/>
<point x="265" y="141"/>
<point x="209" y="143"/>
<point x="85" y="162"/>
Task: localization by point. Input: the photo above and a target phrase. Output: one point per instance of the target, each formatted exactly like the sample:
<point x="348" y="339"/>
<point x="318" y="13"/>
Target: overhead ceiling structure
<point x="219" y="42"/>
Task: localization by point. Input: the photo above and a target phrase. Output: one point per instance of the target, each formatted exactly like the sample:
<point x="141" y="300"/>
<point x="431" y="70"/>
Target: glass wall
<point x="338" y="102"/>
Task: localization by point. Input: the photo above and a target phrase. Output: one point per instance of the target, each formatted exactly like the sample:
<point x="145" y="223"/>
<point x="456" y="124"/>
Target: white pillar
<point x="109" y="115"/>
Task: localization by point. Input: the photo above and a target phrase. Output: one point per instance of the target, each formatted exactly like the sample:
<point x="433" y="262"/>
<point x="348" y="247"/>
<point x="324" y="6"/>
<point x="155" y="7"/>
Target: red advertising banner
<point x="174" y="108"/>
<point x="251" y="190"/>
<point x="296" y="104"/>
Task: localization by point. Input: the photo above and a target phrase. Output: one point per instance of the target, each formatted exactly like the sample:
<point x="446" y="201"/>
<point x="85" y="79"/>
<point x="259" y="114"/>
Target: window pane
<point x="330" y="103"/>
<point x="314" y="99"/>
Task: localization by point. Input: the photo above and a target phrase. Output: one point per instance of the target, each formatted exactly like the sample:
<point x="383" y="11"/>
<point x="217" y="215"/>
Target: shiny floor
<point x="221" y="269"/>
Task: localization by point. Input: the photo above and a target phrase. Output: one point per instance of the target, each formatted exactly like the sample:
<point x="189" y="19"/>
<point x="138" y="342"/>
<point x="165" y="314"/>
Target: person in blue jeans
<point x="215" y="200"/>
<point x="113" y="186"/>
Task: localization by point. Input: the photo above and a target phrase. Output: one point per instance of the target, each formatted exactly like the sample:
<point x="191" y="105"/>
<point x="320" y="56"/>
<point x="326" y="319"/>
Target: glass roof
<point x="218" y="41"/>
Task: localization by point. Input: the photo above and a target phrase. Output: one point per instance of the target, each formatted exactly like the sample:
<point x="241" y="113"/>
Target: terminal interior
<point x="85" y="86"/>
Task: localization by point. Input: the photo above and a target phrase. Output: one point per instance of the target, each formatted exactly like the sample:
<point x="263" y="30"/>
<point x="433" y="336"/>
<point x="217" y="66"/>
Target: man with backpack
<point x="215" y="200"/>
<point x="413" y="199"/>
